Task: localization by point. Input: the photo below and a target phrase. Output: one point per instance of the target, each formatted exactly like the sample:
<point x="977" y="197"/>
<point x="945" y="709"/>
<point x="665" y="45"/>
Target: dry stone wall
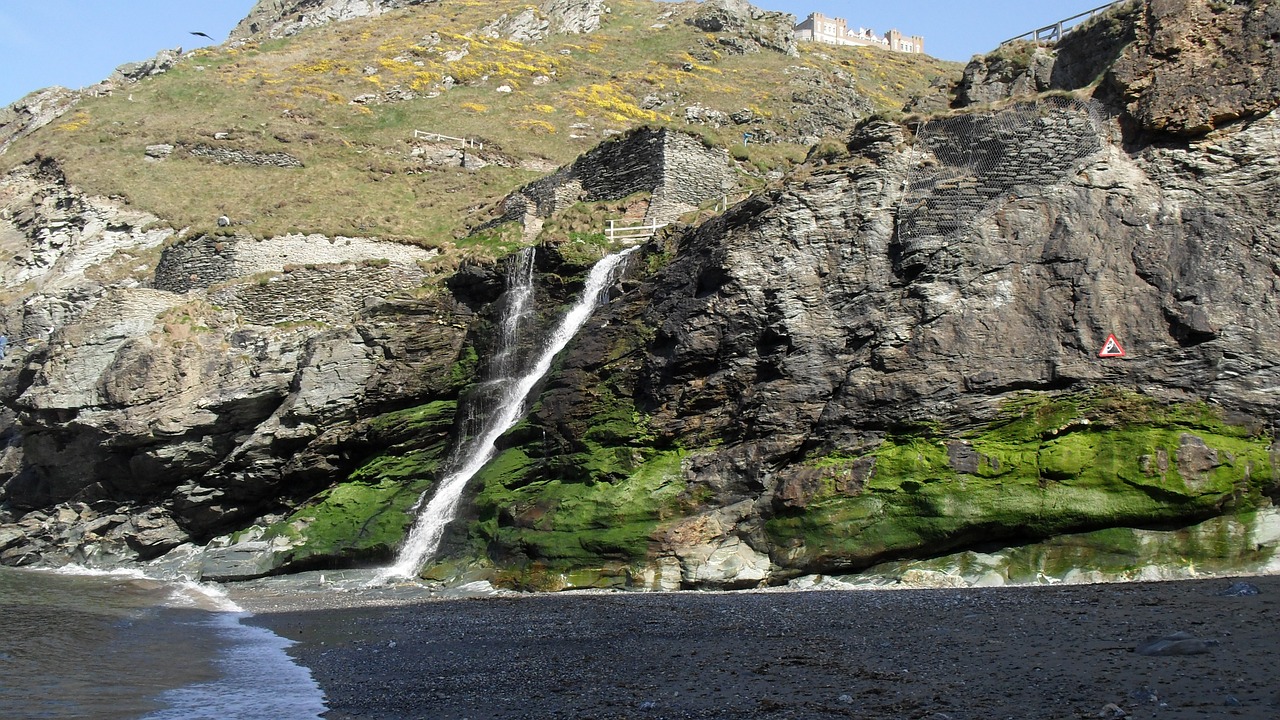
<point x="196" y="263"/>
<point x="692" y="173"/>
<point x="206" y="260"/>
<point x="229" y="156"/>
<point x="330" y="295"/>
<point x="678" y="169"/>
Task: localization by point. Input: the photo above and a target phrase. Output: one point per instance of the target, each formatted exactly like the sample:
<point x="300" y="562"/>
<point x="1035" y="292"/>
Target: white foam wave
<point x="82" y="571"/>
<point x="203" y="596"/>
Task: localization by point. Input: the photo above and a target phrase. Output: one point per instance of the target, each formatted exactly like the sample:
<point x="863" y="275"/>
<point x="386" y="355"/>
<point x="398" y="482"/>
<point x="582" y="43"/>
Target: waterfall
<point x="519" y="298"/>
<point x="473" y="453"/>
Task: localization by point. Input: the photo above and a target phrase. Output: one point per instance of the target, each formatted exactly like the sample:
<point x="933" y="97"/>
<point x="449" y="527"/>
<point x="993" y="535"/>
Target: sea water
<point x="119" y="645"/>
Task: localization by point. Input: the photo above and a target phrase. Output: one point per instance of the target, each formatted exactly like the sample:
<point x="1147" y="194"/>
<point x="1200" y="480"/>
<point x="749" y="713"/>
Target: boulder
<point x="241" y="561"/>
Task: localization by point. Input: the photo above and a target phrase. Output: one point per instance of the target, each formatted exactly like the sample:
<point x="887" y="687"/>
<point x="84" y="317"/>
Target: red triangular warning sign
<point x="1111" y="348"/>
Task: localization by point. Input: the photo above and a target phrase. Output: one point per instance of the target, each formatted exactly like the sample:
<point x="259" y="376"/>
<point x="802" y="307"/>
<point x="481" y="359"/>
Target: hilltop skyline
<point x="76" y="43"/>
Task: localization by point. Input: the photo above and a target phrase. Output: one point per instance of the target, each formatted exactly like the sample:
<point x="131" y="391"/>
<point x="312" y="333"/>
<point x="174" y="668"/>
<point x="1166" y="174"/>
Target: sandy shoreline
<point x="1030" y="652"/>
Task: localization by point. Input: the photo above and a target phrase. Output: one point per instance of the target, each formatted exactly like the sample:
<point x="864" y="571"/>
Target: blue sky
<point x="79" y="42"/>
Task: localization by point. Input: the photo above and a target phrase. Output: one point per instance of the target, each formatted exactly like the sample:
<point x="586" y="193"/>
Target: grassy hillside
<point x="565" y="95"/>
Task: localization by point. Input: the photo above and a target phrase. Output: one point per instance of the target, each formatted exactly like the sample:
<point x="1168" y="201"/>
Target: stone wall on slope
<point x="679" y="170"/>
<point x="205" y="260"/>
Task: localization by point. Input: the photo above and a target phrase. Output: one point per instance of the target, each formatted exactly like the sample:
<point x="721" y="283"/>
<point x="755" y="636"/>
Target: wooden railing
<point x="439" y="137"/>
<point x="1050" y="34"/>
<point x="644" y="231"/>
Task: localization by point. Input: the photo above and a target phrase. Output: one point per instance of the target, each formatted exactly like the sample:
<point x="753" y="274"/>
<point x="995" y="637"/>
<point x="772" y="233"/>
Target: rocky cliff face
<point x="1182" y="67"/>
<point x="898" y="352"/>
<point x="805" y="387"/>
<point x="159" y="409"/>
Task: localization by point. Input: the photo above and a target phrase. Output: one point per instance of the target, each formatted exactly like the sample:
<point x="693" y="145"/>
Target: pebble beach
<point x="1171" y="650"/>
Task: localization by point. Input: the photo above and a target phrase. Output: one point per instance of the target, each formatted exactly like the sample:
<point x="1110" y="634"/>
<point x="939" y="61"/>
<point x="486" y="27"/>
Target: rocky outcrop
<point x="554" y="17"/>
<point x="1016" y="71"/>
<point x="136" y="71"/>
<point x="753" y="29"/>
<point x="68" y="246"/>
<point x="1080" y="59"/>
<point x="1181" y="67"/>
<point x="1196" y="65"/>
<point x="34" y="112"/>
<point x="826" y="104"/>
<point x="139" y="418"/>
<point x="575" y="17"/>
<point x="282" y="18"/>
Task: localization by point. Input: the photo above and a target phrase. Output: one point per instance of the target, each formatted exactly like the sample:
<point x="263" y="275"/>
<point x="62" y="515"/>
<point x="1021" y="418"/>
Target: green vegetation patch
<point x="365" y="518"/>
<point x="564" y="525"/>
<point x="1048" y="466"/>
<point x="1226" y="544"/>
<point x="350" y="522"/>
<point x="432" y="417"/>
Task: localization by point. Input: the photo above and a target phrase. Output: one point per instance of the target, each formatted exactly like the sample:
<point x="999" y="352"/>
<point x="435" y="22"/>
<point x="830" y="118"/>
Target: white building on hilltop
<point x="835" y="31"/>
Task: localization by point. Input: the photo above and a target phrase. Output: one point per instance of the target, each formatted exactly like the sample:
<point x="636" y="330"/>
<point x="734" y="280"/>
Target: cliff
<point x="898" y="351"/>
<point x="891" y="348"/>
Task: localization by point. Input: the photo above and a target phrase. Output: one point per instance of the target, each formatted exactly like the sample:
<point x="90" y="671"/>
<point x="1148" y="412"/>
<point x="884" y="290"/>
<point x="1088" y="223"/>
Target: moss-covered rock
<point x="1049" y="466"/>
<point x="529" y="519"/>
<point x="1245" y="542"/>
<point x="365" y="518"/>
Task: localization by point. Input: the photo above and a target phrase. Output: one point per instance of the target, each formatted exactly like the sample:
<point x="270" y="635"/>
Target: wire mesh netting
<point x="975" y="162"/>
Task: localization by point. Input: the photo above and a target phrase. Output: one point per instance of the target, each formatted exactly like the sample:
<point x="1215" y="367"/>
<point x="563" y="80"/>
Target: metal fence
<point x="1050" y="34"/>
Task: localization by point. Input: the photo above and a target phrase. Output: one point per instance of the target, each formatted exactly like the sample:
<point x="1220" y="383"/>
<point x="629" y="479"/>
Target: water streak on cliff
<point x="475" y="451"/>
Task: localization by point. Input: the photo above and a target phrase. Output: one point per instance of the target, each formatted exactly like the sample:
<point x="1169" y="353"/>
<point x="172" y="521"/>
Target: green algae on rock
<point x="1247" y="542"/>
<point x="365" y="518"/>
<point x="1052" y="465"/>
<point x="529" y="519"/>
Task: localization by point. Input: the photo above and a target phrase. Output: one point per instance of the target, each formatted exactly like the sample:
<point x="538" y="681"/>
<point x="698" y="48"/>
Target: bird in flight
<point x="203" y="35"/>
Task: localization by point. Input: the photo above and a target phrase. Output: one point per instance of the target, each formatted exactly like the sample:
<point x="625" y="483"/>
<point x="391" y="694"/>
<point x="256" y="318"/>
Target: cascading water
<point x="473" y="453"/>
<point x="518" y="301"/>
